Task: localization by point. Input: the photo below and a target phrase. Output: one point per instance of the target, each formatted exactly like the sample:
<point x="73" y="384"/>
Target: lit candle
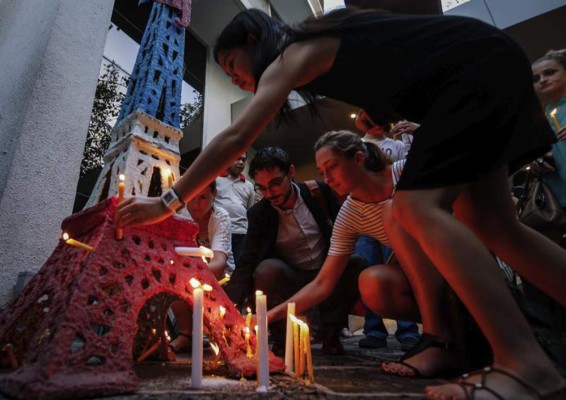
<point x="308" y="352"/>
<point x="216" y="350"/>
<point x="249" y="353"/>
<point x="149" y="351"/>
<point x="262" y="346"/>
<point x="194" y="251"/>
<point x="289" y="338"/>
<point x="248" y="317"/>
<point x="76" y="243"/>
<point x="222" y="311"/>
<point x="121" y="190"/>
<point x="301" y="368"/>
<point x="169" y="176"/>
<point x="9" y="349"/>
<point x="197" y="351"/>
<point x="224" y="280"/>
<point x="296" y="343"/>
<point x="554" y="119"/>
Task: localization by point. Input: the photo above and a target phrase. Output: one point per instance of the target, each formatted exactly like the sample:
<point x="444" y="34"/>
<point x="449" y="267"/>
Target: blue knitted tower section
<point x="155" y="84"/>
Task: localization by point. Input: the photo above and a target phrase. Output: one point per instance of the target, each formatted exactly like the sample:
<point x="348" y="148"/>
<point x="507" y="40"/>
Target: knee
<point x="268" y="271"/>
<point x="375" y="286"/>
<point x="406" y="211"/>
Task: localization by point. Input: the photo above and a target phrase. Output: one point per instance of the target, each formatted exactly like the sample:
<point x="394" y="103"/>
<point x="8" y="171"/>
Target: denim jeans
<point x="375" y="253"/>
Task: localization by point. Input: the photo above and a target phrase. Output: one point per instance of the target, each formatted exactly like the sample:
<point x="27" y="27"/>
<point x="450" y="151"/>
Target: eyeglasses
<point x="273" y="184"/>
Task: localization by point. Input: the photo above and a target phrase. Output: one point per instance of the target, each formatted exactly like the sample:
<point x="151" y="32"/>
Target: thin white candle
<point x="194" y="251"/>
<point x="196" y="368"/>
<point x="554" y="119"/>
<point x="289" y="338"/>
<point x="263" y="361"/>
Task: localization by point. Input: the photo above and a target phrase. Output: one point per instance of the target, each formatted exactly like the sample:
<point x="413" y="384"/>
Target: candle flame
<point x="154" y="331"/>
<point x="122" y="177"/>
<point x="206" y="287"/>
<point x="215" y="348"/>
<point x="256" y="328"/>
<point x="293" y="318"/>
<point x="65" y="236"/>
<point x="222" y="311"/>
<point x="167" y="171"/>
<point x="258" y="293"/>
<point x="249" y="310"/>
<point x="194" y="283"/>
<point x="247" y="330"/>
<point x="206" y="252"/>
<point x="167" y="336"/>
<point x="204" y="260"/>
<point x="172" y="262"/>
<point x="553" y="112"/>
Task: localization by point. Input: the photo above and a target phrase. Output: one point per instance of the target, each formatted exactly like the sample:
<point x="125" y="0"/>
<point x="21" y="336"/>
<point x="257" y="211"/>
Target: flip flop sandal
<point x="470" y="388"/>
<point x="426" y="341"/>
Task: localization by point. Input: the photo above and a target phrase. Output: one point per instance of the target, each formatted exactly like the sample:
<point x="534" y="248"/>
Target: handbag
<point x="539" y="209"/>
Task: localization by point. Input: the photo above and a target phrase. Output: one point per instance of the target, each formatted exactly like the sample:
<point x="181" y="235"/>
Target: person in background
<point x="549" y="79"/>
<point x="445" y="80"/>
<point x="377" y="133"/>
<point x="375" y="253"/>
<point x="214" y="233"/>
<point x="236" y="195"/>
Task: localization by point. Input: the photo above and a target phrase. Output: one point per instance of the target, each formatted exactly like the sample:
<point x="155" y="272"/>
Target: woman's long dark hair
<point x="274" y="36"/>
<point x="348" y="143"/>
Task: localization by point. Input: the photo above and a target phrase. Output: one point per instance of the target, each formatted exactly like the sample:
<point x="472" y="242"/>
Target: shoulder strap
<point x="315" y="191"/>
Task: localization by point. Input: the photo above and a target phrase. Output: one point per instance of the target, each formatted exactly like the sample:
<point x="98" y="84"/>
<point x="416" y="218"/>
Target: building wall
<point x="50" y="53"/>
<point x="504" y="13"/>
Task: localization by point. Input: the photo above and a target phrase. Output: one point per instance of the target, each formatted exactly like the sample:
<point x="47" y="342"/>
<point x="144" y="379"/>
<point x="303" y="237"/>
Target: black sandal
<point x="186" y="346"/>
<point x="425" y="342"/>
<point x="470" y="388"/>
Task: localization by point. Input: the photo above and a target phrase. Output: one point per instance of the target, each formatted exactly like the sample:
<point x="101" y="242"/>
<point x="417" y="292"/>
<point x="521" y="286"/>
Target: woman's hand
<point x="139" y="210"/>
<point x="404" y="127"/>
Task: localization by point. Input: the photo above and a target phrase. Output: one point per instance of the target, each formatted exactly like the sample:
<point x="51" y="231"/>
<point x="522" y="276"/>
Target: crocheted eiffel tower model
<point x="85" y="317"/>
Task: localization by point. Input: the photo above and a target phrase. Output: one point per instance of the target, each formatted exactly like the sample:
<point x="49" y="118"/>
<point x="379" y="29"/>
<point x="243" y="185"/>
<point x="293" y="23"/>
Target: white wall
<point x="50" y="53"/>
<point x="218" y="98"/>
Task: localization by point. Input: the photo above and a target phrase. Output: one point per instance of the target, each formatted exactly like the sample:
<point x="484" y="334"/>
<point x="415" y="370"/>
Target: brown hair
<point x="349" y="143"/>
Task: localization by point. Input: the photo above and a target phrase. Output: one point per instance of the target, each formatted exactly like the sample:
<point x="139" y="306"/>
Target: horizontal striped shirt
<point x="359" y="218"/>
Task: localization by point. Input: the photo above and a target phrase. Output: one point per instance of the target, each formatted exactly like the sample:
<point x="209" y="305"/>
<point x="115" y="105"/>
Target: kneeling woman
<point x="360" y="170"/>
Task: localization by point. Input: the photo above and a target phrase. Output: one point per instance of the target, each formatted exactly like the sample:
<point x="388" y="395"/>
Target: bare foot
<point x="495" y="383"/>
<point x="429" y="363"/>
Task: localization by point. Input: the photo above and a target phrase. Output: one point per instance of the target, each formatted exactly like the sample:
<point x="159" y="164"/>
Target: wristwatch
<point x="172" y="200"/>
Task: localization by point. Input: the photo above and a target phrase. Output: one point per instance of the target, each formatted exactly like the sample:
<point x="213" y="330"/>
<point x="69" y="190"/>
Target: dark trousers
<point x="238" y="241"/>
<point x="279" y="281"/>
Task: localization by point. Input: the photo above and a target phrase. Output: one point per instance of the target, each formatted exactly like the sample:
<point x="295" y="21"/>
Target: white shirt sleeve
<point x="220" y="231"/>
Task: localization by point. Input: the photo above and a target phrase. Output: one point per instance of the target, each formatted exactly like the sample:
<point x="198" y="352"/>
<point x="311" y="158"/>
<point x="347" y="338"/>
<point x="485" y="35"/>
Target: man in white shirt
<point x="236" y="195"/>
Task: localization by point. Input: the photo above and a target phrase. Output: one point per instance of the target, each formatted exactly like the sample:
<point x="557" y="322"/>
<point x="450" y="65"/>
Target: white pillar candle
<point x="194" y="251"/>
<point x="289" y="338"/>
<point x="310" y="368"/>
<point x="196" y="368"/>
<point x="262" y="352"/>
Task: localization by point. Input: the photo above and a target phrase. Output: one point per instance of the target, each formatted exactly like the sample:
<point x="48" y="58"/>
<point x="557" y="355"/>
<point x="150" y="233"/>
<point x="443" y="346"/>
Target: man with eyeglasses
<point x="287" y="242"/>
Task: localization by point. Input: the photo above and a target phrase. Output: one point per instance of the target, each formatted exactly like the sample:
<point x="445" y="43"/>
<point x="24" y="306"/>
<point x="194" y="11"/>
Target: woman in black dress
<point x="469" y="86"/>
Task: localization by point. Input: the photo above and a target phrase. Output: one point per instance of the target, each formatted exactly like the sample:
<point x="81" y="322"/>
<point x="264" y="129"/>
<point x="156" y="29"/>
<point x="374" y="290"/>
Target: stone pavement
<point x="355" y="375"/>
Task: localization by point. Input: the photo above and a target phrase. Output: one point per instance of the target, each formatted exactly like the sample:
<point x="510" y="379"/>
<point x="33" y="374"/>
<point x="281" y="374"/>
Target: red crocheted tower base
<point x="83" y="319"/>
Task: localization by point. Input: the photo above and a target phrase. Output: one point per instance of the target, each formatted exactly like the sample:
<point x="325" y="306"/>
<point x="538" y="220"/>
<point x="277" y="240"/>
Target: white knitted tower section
<point x="145" y="151"/>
